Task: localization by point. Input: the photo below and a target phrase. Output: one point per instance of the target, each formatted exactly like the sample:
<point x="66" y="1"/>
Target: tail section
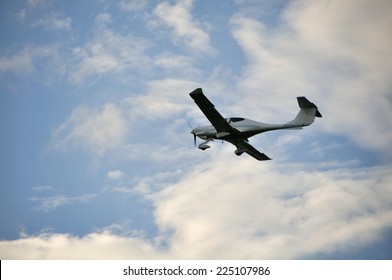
<point x="306" y="114"/>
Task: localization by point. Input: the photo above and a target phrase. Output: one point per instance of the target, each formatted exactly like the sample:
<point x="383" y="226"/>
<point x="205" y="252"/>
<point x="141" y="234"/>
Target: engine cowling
<point x="238" y="152"/>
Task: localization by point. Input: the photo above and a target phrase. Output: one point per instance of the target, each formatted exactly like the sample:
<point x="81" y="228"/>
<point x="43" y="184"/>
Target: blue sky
<point x="97" y="159"/>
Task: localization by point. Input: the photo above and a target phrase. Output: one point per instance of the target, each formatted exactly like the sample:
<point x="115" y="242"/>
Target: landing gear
<point x="203" y="146"/>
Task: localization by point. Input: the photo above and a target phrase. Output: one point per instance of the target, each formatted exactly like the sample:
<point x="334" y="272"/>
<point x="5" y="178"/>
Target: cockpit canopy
<point x="236" y="119"/>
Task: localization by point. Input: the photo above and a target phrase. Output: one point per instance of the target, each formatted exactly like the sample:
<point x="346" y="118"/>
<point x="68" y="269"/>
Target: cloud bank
<point x="269" y="212"/>
<point x="331" y="51"/>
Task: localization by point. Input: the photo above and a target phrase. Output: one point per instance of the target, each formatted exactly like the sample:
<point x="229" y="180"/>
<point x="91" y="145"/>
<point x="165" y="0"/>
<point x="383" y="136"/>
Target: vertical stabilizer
<point x="307" y="113"/>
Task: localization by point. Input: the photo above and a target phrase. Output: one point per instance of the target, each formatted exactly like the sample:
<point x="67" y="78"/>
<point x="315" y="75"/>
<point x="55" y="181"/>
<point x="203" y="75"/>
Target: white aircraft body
<point x="237" y="130"/>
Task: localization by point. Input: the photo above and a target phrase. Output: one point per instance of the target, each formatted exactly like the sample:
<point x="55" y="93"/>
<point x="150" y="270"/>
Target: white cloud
<point x="42" y="188"/>
<point x="108" y="53"/>
<point x="48" y="204"/>
<point x="43" y="60"/>
<point x="115" y="174"/>
<point x="132" y="5"/>
<point x="37" y="3"/>
<point x="98" y="131"/>
<point x="233" y="208"/>
<point x="186" y="29"/>
<point x="284" y="214"/>
<point x="18" y="63"/>
<point x="102" y="20"/>
<point x="21" y="16"/>
<point x="340" y="63"/>
<point x="63" y="246"/>
<point x="164" y="98"/>
<point x="122" y="128"/>
<point x="54" y="22"/>
<point x="179" y="63"/>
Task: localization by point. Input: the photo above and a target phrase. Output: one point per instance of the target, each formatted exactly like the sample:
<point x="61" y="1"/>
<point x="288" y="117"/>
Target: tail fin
<point x="306" y="114"/>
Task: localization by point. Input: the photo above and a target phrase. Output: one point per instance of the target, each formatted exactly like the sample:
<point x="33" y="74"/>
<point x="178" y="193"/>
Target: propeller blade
<point x="194" y="139"/>
<point x="193" y="132"/>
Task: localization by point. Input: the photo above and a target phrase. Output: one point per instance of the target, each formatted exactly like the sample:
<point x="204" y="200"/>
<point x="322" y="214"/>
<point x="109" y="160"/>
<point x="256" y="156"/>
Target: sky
<point x="97" y="160"/>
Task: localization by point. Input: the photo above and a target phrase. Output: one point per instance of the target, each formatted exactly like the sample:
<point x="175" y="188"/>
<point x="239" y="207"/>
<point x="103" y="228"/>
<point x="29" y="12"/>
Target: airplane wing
<point x="208" y="109"/>
<point x="243" y="146"/>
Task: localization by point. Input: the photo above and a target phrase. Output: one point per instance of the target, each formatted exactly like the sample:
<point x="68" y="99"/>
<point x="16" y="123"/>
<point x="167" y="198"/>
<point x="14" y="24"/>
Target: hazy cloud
<point x="343" y="57"/>
<point x="37" y="3"/>
<point x="48" y="204"/>
<point x="95" y="130"/>
<point x="54" y="22"/>
<point x="18" y="63"/>
<point x="65" y="246"/>
<point x="286" y="213"/>
<point x="42" y="188"/>
<point x="179" y="64"/>
<point x="107" y="53"/>
<point x="115" y="174"/>
<point x="185" y="28"/>
<point x="163" y="99"/>
<point x="132" y="5"/>
<point x="21" y="15"/>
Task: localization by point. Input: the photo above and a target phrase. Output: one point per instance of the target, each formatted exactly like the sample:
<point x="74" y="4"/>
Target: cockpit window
<point x="236" y="119"/>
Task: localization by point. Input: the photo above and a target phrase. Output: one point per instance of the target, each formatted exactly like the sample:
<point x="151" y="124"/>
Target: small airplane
<point x="237" y="130"/>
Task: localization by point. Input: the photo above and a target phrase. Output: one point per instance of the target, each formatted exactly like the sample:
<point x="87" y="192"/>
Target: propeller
<point x="194" y="138"/>
<point x="194" y="134"/>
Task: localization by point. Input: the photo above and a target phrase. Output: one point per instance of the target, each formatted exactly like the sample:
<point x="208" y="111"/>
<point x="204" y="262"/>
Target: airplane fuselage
<point x="246" y="128"/>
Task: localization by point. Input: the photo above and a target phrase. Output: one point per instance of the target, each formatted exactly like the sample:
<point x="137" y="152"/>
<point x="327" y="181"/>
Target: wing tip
<point x="196" y="92"/>
<point x="265" y="157"/>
